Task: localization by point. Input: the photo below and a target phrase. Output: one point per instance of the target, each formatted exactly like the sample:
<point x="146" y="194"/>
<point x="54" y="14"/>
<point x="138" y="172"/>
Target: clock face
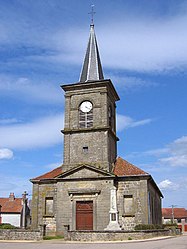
<point x="86" y="106"/>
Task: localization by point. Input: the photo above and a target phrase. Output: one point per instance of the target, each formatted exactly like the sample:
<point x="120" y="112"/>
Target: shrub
<point x="7" y="226"/>
<point x="148" y="227"/>
<point x="170" y="226"/>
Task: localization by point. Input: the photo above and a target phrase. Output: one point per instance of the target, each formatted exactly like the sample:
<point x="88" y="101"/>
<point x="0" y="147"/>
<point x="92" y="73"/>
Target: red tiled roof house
<point x="175" y="215"/>
<point x="11" y="211"/>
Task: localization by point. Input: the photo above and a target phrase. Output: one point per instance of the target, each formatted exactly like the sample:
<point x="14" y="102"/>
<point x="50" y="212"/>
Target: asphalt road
<point x="169" y="243"/>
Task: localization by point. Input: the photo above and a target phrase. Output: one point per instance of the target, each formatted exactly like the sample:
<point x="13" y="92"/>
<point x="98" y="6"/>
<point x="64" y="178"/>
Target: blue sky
<point x="143" y="48"/>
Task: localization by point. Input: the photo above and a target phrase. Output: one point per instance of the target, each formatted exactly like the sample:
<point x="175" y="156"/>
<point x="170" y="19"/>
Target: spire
<point x="92" y="69"/>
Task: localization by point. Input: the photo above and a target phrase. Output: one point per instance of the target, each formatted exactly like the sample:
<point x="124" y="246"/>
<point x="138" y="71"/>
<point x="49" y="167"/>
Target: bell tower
<point x="90" y="115"/>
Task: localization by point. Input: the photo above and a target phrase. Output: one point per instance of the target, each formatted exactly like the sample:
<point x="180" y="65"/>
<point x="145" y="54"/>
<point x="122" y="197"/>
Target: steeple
<point x="92" y="69"/>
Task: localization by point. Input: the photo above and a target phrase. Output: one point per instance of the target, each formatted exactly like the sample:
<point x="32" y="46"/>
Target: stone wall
<point x="138" y="212"/>
<point x="114" y="235"/>
<point x="70" y="192"/>
<point x="155" y="210"/>
<point x="20" y="234"/>
<point x="39" y="216"/>
<point x="65" y="195"/>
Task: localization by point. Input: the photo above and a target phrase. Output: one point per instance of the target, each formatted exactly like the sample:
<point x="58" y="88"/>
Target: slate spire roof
<point x="92" y="69"/>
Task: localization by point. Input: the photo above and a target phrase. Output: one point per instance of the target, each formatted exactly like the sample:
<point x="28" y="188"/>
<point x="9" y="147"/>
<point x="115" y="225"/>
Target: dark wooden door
<point x="84" y="215"/>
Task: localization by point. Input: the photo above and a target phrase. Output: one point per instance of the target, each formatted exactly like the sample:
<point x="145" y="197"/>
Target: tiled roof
<point x="51" y="174"/>
<point x="11" y="206"/>
<point x="178" y="213"/>
<point x="124" y="168"/>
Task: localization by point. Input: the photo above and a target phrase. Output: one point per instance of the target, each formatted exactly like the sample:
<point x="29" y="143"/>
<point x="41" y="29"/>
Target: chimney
<point x="11" y="197"/>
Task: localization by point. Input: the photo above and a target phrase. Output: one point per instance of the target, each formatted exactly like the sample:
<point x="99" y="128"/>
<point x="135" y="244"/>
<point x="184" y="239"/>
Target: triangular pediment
<point x="85" y="171"/>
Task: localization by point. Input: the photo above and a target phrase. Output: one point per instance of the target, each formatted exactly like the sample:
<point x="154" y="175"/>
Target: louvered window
<point x="85" y="119"/>
<point x="110" y="116"/>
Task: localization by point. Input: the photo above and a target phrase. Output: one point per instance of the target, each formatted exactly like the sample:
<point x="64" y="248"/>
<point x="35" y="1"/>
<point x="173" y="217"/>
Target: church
<point x="94" y="189"/>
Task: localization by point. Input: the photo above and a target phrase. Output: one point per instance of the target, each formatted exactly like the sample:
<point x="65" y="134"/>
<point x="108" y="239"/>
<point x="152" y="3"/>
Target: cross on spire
<point x="92" y="13"/>
<point x="92" y="68"/>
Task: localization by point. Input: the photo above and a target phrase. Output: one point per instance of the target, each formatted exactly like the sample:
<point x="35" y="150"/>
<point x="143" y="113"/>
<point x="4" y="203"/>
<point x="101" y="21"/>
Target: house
<point x="175" y="215"/>
<point x="94" y="189"/>
<point x="15" y="211"/>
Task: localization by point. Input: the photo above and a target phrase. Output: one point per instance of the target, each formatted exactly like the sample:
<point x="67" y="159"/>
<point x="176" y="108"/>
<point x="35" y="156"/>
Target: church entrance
<point x="84" y="215"/>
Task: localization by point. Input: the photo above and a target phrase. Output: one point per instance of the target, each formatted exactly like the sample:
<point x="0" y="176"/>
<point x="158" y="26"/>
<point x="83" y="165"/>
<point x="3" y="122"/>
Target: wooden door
<point x="84" y="215"/>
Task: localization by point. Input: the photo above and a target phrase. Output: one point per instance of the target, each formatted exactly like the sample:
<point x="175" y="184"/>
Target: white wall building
<point x="14" y="211"/>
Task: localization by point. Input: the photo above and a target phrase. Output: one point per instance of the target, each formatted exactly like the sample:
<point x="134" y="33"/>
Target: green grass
<point x="53" y="237"/>
<point x="7" y="226"/>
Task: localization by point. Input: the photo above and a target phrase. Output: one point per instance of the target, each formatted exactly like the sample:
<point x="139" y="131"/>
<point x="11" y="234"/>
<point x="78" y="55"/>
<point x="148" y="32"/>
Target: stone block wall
<point x="20" y="234"/>
<point x="138" y="212"/>
<point x="96" y="138"/>
<point x="39" y="216"/>
<point x="155" y="207"/>
<point x="114" y="235"/>
<point x="69" y="192"/>
<point x="97" y="143"/>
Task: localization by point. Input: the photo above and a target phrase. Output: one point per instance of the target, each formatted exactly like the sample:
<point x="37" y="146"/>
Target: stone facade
<point x="87" y="183"/>
<point x="77" y="194"/>
<point x="133" y="202"/>
<point x="101" y="138"/>
<point x="65" y="192"/>
<point x="137" y="210"/>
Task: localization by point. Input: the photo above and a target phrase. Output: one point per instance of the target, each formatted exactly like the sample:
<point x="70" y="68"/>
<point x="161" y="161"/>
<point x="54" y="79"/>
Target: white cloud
<point x="176" y="153"/>
<point x="131" y="83"/>
<point x="125" y="122"/>
<point x="156" y="152"/>
<point x="173" y="154"/>
<point x="175" y="160"/>
<point x="43" y="132"/>
<point x="6" y="153"/>
<point x="14" y="184"/>
<point x="179" y="146"/>
<point x="140" y="45"/>
<point x="167" y="184"/>
<point x="6" y="121"/>
<point x="25" y="89"/>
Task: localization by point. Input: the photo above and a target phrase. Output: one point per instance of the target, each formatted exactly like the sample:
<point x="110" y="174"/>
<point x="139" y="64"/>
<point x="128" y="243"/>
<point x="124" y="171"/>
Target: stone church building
<point x="93" y="189"/>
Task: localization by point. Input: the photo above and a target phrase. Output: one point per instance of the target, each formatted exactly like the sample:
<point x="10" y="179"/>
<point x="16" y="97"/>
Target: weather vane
<point x="92" y="13"/>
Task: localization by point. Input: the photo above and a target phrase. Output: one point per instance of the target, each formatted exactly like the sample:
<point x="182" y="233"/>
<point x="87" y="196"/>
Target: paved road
<point x="171" y="243"/>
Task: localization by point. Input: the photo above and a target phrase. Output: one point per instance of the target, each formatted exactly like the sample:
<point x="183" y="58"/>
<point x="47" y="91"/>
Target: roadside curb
<point x="61" y="241"/>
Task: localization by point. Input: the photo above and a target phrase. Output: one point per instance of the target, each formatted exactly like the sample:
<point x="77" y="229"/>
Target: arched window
<point x="86" y="115"/>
